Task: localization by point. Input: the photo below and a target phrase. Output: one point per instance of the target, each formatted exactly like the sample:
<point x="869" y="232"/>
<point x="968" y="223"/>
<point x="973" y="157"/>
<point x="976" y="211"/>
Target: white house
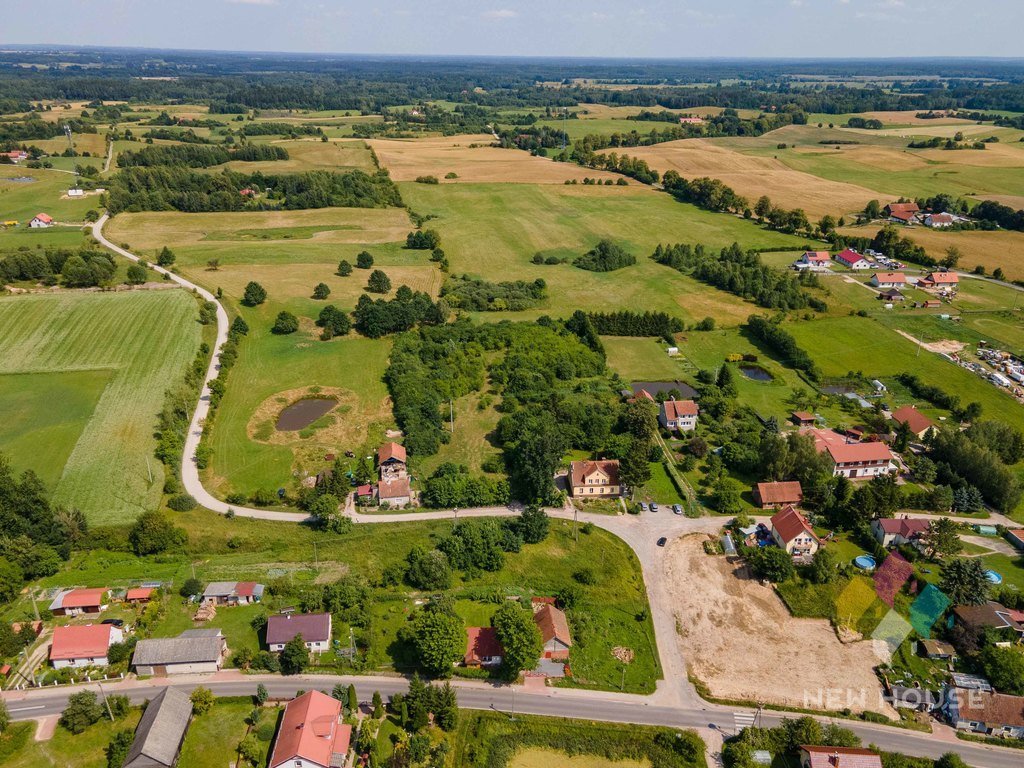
<point x="852" y="260"/>
<point x="315" y="629"/>
<point x="679" y="414"/>
<point x="888" y="280"/>
<point x="41" y="221"/>
<point x="939" y="220"/>
<point x="793" y="533"/>
<point x="853" y="459"/>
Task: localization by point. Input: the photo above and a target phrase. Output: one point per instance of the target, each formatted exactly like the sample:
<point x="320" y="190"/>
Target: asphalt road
<point x="675" y="703"/>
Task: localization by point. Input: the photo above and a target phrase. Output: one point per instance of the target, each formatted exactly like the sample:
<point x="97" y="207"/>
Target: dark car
<point x="654" y="507"/>
<point x="662" y="541"/>
<point x="113" y="622"/>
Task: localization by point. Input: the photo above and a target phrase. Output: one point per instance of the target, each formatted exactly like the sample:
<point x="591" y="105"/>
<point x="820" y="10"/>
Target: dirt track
<point x="739" y="639"/>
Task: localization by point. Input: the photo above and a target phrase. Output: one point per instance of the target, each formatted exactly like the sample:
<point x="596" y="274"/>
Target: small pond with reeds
<point x="302" y="413"/>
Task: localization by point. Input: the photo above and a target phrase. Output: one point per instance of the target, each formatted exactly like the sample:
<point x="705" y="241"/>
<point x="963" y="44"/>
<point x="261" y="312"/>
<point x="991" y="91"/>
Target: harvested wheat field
<point x="409" y="159"/>
<point x="740" y="640"/>
<point x="753" y="176"/>
<point x="990" y="249"/>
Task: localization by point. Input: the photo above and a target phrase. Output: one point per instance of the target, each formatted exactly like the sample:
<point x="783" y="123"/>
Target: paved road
<point x="675" y="701"/>
<point x="554" y="702"/>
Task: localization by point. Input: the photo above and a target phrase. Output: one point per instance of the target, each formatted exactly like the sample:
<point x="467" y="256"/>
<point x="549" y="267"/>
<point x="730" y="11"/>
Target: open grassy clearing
<point x="269" y="365"/>
<point x="309" y="154"/>
<point x="753" y="176"/>
<point x="643" y="359"/>
<point x="212" y="739"/>
<point x="21" y="200"/>
<point x="334" y="226"/>
<point x="471" y="442"/>
<point x="142" y="341"/>
<point x="407" y="159"/>
<point x="494" y="230"/>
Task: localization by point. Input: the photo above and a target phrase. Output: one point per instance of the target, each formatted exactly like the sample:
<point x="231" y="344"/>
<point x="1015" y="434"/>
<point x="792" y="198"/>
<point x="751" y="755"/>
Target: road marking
<point x="26" y="709"/>
<point x="743" y="720"/>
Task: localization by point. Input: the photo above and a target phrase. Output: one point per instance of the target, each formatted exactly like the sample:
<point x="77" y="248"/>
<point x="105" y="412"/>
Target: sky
<point x="623" y="28"/>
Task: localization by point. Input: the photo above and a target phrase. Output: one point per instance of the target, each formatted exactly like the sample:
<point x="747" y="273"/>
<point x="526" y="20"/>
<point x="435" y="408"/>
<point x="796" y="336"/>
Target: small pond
<point x="302" y="413"/>
<point x="755" y="372"/>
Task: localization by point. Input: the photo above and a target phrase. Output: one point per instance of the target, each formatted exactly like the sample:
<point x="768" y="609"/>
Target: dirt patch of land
<point x="534" y="757"/>
<point x="753" y="176"/>
<point x="740" y="640"/>
<point x="941" y="347"/>
<point x="472" y="159"/>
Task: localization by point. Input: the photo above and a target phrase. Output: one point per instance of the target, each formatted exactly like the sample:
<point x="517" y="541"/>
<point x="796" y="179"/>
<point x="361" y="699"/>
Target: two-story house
<point x="791" y="531"/>
<point x="588" y="479"/>
<point x="680" y="415"/>
<point x="853" y="459"/>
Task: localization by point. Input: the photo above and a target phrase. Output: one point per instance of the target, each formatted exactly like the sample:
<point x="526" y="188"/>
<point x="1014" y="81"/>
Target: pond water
<point x="301" y="414"/>
<point x="756" y="373"/>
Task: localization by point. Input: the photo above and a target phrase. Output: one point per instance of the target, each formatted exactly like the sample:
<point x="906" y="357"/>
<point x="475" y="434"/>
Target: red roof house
<point x="853" y="459"/>
<point x="312" y="734"/>
<point x="895" y="531"/>
<point x="939" y="278"/>
<point x="816" y="257"/>
<point x="793" y="533"/>
<point x="72" y="602"/>
<point x="902" y="212"/>
<point x="850" y="258"/>
<point x="139" y="595"/>
<point x="554" y="630"/>
<point x="772" y="495"/>
<point x="590" y="478"/>
<point x="483" y="649"/>
<point x="919" y="423"/>
<point x="391" y="452"/>
<point x="679" y="414"/>
<point x="83" y="646"/>
<point x="838" y="757"/>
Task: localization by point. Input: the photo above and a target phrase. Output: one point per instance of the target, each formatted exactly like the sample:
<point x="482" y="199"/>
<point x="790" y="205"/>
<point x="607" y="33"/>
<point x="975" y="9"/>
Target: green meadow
<point x="87" y="373"/>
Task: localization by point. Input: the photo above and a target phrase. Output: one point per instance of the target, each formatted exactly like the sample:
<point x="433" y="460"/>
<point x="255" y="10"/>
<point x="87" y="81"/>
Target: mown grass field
<point x="212" y="739"/>
<point x="18" y="749"/>
<point x="88" y="373"/>
<point x="21" y="200"/>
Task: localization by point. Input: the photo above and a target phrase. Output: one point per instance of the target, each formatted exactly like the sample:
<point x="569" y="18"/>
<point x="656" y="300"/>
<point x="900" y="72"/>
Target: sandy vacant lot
<point x="739" y="639"/>
<point x="753" y="176"/>
<point x="408" y="158"/>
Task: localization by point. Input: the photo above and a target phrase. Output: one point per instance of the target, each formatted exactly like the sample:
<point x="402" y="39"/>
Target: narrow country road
<point x="674" y="703"/>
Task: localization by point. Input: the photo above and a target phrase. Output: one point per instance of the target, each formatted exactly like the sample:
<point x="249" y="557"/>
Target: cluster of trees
<point x="628" y="323"/>
<point x="172" y="188"/>
<point x="37" y="536"/>
<point x="864" y="122"/>
<point x="334" y="322"/>
<point x="585" y="153"/>
<point x="789" y="221"/>
<point x="887" y="240"/>
<point x="423" y="240"/>
<point x="82" y="268"/>
<point x="979" y="458"/>
<point x="1002" y="215"/>
<point x="726" y="123"/>
<point x="709" y="194"/>
<point x="452" y="486"/>
<point x="34" y="127"/>
<point x="187" y="136"/>
<point x="379" y="317"/>
<point x="197" y="155"/>
<point x="606" y="256"/>
<point x="267" y="128"/>
<point x="535" y="138"/>
<point x="743" y="274"/>
<point x="938" y="142"/>
<point x="476" y="295"/>
<point x="781" y="341"/>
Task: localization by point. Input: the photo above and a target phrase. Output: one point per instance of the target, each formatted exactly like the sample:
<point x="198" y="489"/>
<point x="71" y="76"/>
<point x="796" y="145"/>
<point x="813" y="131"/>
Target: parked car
<point x="654" y="507"/>
<point x="677" y="509"/>
<point x="113" y="622"/>
<point x="643" y="506"/>
<point x="662" y="541"/>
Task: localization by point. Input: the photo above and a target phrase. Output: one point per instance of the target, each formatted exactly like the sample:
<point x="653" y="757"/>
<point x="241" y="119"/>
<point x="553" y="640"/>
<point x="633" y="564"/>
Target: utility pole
<point x="105" y="702"/>
<point x="575" y="518"/>
<point x="622" y="682"/>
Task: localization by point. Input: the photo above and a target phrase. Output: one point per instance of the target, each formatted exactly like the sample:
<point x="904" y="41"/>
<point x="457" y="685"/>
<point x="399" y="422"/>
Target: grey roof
<point x="218" y="588"/>
<point x="192" y="633"/>
<point x="176" y="650"/>
<point x="314" y="627"/>
<point x="161" y="731"/>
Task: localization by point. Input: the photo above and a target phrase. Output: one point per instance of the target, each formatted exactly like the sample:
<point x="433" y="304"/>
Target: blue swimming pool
<point x="865" y="562"/>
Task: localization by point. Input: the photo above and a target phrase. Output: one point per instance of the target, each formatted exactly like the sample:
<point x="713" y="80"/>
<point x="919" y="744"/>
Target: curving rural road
<point x="675" y="702"/>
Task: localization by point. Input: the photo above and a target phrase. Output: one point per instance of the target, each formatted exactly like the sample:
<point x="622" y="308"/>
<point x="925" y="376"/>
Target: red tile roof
<point x="890" y="277"/>
<point x="45" y="218"/>
<point x="788" y="492"/>
<point x="581" y="470"/>
<point x="553" y="624"/>
<point x="139" y="593"/>
<point x="993" y="709"/>
<point x="816" y="256"/>
<point x="81" y="642"/>
<point x="246" y="588"/>
<point x="944" y="278"/>
<point x="364" y="490"/>
<point x="389" y="452"/>
<point x="803" y="416"/>
<point x="841" y="757"/>
<point x="907" y="527"/>
<point x="1018" y="534"/>
<point x="843" y="452"/>
<point x="675" y="409"/>
<point x="311" y="730"/>
<point x="913" y="418"/>
<point x="941" y="218"/>
<point x="393" y="489"/>
<point x="790" y="523"/>
<point x="903" y="207"/>
<point x="482" y="643"/>
<point x="84" y="598"/>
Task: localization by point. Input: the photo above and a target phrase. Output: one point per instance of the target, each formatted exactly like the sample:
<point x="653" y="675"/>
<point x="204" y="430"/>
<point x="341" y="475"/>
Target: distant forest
<point x="233" y="83"/>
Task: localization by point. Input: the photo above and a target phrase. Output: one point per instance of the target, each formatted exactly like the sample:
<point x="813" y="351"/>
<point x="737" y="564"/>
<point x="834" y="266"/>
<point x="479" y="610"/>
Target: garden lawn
<point x="660" y="488"/>
<point x="109" y="357"/>
<point x="18" y="749"/>
<point x="213" y="738"/>
<point x="642" y="359"/>
<point x="234" y="622"/>
<point x="1011" y="568"/>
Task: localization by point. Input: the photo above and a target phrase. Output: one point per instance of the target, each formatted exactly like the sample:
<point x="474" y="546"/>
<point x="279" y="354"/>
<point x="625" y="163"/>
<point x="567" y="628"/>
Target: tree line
<point x="198" y="155"/>
<point x="166" y="188"/>
<point x="629" y="323"/>
<point x="742" y="274"/>
<point x="782" y="342"/>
